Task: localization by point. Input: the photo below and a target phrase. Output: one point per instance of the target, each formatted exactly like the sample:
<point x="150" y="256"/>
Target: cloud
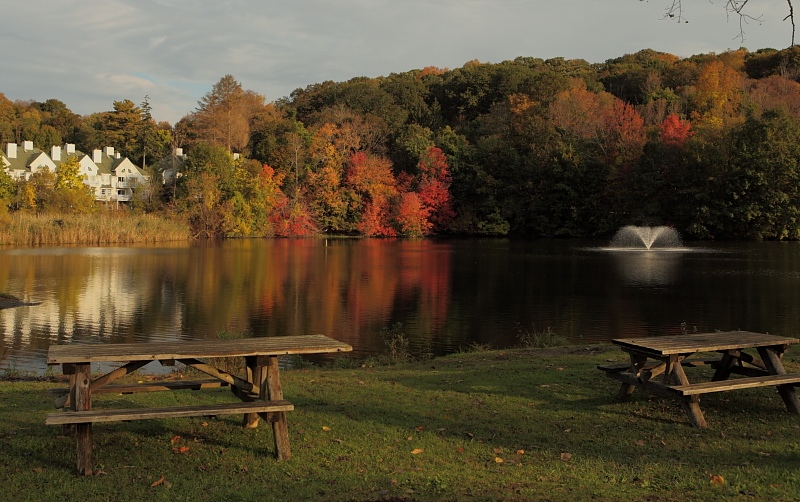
<point x="89" y="53"/>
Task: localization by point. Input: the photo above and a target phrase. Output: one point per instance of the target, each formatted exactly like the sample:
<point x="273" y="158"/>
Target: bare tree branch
<point x="732" y="7"/>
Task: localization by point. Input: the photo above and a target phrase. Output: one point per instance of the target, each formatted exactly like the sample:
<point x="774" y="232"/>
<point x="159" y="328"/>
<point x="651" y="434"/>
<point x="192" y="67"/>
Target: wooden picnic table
<point x="666" y="356"/>
<point x="260" y="393"/>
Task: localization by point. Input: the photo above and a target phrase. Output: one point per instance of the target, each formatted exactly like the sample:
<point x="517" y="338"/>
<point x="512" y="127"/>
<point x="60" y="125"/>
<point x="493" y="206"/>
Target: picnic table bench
<point x="667" y="356"/>
<point x="260" y="393"/>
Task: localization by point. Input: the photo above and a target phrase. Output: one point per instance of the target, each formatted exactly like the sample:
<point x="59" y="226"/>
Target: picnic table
<point x="667" y="356"/>
<point x="259" y="394"/>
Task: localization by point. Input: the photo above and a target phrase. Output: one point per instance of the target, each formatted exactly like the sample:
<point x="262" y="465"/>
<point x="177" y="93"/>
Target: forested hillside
<point x="708" y="144"/>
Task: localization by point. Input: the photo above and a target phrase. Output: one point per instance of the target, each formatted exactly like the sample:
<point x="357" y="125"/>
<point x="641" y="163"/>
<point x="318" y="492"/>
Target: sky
<point x="90" y="53"/>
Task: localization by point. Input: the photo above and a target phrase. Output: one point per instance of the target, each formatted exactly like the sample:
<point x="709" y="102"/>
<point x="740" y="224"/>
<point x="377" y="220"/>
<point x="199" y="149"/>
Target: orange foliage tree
<point x="372" y="180"/>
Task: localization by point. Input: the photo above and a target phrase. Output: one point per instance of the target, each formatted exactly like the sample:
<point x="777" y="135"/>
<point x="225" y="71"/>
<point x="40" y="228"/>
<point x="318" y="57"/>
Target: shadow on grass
<point x="564" y="405"/>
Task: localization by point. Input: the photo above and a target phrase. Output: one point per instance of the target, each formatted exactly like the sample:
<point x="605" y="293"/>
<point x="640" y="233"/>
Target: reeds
<point x="104" y="227"/>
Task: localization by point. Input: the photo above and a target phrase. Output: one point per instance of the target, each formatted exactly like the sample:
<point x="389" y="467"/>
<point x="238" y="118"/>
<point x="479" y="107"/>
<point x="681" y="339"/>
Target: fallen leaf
<point x="182" y="449"/>
<point x="498" y="460"/>
<point x="567" y="430"/>
<point x="417" y="451"/>
<point x="566" y="456"/>
<point x="520" y="452"/>
<point x="157" y="482"/>
<point x="175" y="439"/>
<point x="420" y="428"/>
<point x="326" y="428"/>
<point x="204" y="424"/>
<point x="639" y="442"/>
<point x="717" y="480"/>
<point x="37" y="469"/>
<point x="460" y="450"/>
<point x="497" y="450"/>
<point x="410" y="438"/>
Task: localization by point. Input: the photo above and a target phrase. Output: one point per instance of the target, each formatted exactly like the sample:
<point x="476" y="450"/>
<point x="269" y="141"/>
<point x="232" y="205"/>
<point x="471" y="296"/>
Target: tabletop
<point x="194" y="349"/>
<point x="702" y="342"/>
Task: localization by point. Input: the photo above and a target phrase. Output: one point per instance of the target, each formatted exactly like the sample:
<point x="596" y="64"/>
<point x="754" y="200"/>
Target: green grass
<point x="523" y="424"/>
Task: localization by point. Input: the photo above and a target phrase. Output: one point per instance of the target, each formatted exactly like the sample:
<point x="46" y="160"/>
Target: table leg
<point x="256" y="376"/>
<point x="692" y="406"/>
<point x="726" y="364"/>
<point x="81" y="401"/>
<point x="280" y="428"/>
<point x="626" y="389"/>
<point x="771" y="356"/>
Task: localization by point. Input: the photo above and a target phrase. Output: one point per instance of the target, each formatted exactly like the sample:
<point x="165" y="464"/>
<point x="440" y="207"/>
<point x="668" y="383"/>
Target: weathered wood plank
<point x="280" y="429"/>
<point x="93" y="416"/>
<point x="81" y="402"/>
<point x="692" y="363"/>
<point x="149" y="387"/>
<point x="692" y="404"/>
<point x="736" y="383"/>
<point x="702" y="342"/>
<point x="772" y="360"/>
<point x="149" y="351"/>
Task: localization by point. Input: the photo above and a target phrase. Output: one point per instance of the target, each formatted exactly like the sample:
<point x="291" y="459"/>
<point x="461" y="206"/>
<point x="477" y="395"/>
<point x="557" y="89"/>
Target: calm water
<point x="447" y="294"/>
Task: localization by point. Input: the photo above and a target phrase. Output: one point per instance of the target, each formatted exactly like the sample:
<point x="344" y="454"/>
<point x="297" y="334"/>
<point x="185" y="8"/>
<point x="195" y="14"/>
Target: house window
<point x="120" y="192"/>
<point x="121" y="179"/>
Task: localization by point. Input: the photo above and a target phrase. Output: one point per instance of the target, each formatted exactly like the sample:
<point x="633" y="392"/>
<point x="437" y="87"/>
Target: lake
<point x="446" y="294"/>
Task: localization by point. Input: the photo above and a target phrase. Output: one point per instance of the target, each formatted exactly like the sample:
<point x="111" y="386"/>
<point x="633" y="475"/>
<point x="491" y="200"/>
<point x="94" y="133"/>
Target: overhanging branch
<point x="732" y="7"/>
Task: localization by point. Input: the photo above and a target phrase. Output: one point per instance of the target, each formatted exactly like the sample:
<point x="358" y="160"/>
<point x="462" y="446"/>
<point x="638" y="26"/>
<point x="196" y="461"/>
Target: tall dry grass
<point x="104" y="227"/>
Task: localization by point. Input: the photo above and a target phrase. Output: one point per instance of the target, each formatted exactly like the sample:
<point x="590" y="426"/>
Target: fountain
<point x="646" y="238"/>
<point x="645" y="255"/>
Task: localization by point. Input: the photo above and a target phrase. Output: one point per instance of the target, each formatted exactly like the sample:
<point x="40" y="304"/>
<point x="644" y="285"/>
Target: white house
<point x="112" y="177"/>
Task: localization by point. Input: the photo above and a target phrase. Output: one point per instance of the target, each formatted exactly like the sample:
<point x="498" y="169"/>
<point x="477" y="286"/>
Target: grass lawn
<point x="523" y="424"/>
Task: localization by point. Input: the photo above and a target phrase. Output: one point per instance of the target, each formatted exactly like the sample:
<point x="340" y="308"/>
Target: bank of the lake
<point x="104" y="227"/>
<point x="520" y="424"/>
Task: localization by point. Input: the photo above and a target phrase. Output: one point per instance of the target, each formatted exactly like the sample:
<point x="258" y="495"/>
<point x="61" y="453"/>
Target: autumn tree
<point x="70" y="194"/>
<point x="434" y="188"/>
<point x="674" y="131"/>
<point x="718" y="94"/>
<point x="223" y="115"/>
<point x="373" y="182"/>
<point x="330" y="201"/>
<point x="7" y="120"/>
<point x="412" y="216"/>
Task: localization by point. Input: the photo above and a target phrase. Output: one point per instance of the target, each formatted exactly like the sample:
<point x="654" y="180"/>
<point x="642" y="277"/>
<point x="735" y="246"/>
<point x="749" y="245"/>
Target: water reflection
<point x="647" y="268"/>
<point x="266" y="288"/>
<point x="447" y="294"/>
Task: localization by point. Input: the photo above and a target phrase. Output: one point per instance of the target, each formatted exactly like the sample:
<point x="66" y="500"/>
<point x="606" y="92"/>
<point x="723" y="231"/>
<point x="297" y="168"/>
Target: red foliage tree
<point x="376" y="219"/>
<point x="674" y="131"/>
<point x="290" y="218"/>
<point x="434" y="187"/>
